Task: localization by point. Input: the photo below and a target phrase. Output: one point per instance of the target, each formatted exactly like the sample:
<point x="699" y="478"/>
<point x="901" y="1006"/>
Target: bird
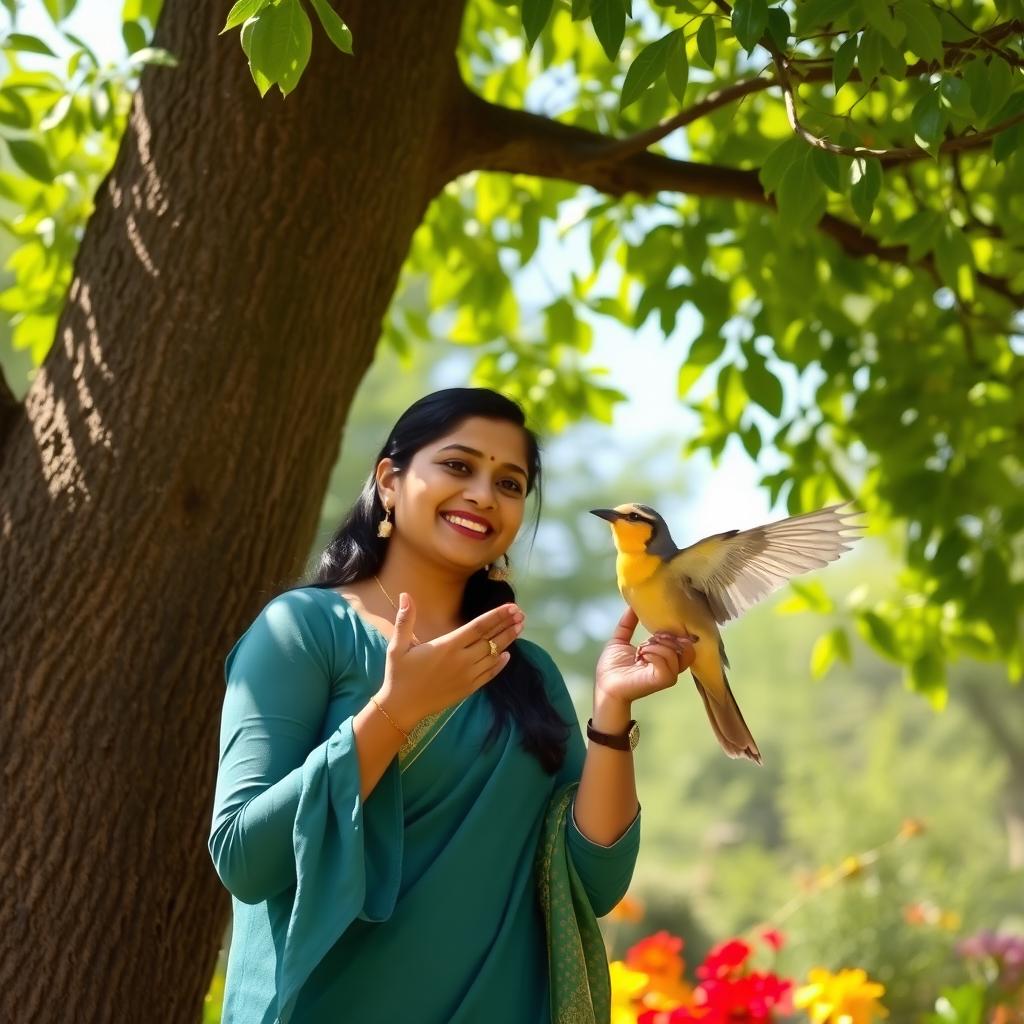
<point x="688" y="592"/>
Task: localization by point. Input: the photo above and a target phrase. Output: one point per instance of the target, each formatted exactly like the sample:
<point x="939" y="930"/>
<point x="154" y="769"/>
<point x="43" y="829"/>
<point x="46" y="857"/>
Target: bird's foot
<point x="673" y="640"/>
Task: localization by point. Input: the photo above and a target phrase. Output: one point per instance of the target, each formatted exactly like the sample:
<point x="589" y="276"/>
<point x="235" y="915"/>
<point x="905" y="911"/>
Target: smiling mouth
<point x="467" y="527"/>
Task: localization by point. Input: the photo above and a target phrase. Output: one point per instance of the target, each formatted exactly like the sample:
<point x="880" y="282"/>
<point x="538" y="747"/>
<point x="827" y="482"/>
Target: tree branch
<point x="888" y="156"/>
<point x="954" y="52"/>
<point x="495" y="138"/>
<point x="719" y="98"/>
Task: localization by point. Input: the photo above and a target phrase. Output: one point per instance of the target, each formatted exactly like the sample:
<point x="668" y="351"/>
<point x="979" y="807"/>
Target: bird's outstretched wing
<point x="737" y="568"/>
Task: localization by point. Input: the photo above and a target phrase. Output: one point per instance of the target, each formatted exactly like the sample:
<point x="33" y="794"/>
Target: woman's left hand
<point x="623" y="679"/>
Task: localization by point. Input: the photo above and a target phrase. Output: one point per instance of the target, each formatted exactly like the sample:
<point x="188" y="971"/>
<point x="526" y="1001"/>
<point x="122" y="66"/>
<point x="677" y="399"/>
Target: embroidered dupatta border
<point x="577" y="961"/>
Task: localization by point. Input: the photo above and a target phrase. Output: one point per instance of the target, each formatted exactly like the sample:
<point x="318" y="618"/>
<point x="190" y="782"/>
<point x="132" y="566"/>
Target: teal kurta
<point x="419" y="904"/>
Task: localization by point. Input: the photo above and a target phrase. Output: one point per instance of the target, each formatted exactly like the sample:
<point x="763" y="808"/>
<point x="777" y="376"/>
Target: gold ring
<point x="494" y="648"/>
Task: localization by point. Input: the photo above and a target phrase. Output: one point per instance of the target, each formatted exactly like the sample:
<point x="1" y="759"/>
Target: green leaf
<point x="1000" y="83"/>
<point x="337" y="31"/>
<point x="827" y="648"/>
<point x="704" y="351"/>
<point x="893" y="60"/>
<point x="535" y="15"/>
<point x="580" y="10"/>
<point x="962" y="1005"/>
<point x="58" y="10"/>
<point x="14" y="111"/>
<point x="280" y="43"/>
<point x="749" y="22"/>
<point x="977" y="78"/>
<point x="31" y="158"/>
<point x="750" y="436"/>
<point x="955" y="261"/>
<point x="243" y="10"/>
<point x="927" y="676"/>
<point x="866" y="183"/>
<point x="880" y="18"/>
<point x="263" y="83"/>
<point x="813" y="13"/>
<point x="134" y="36"/>
<point x="929" y="120"/>
<point x="923" y="28"/>
<point x="732" y="396"/>
<point x="869" y="55"/>
<point x="879" y="634"/>
<point x="779" y="160"/>
<point x="609" y="20"/>
<point x="646" y="69"/>
<point x="826" y="165"/>
<point x="1006" y="143"/>
<point x="762" y="385"/>
<point x="801" y="194"/>
<point x="27" y="44"/>
<point x="82" y="45"/>
<point x="842" y="63"/>
<point x="955" y="94"/>
<point x="779" y="28"/>
<point x="707" y="42"/>
<point x="677" y="70"/>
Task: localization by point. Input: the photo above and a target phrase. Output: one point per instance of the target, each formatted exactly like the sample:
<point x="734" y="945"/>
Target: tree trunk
<point x="167" y="470"/>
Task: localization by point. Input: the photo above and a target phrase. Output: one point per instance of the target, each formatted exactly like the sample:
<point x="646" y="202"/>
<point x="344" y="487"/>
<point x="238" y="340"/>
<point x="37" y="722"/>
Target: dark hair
<point x="355" y="552"/>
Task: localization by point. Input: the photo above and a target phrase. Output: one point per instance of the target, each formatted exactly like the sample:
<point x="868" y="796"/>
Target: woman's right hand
<point x="420" y="679"/>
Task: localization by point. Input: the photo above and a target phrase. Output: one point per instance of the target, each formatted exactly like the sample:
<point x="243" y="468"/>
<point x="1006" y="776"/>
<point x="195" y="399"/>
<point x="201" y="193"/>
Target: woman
<point x="397" y="815"/>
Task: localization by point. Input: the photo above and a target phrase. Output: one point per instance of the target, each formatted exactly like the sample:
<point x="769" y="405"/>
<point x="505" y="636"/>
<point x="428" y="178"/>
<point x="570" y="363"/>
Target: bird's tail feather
<point x="728" y="724"/>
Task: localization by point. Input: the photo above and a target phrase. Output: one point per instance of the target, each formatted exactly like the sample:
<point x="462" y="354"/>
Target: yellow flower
<point x="627" y="988"/>
<point x="844" y="998"/>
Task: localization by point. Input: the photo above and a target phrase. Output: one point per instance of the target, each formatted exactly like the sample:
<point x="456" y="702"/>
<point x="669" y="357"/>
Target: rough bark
<point x="167" y="470"/>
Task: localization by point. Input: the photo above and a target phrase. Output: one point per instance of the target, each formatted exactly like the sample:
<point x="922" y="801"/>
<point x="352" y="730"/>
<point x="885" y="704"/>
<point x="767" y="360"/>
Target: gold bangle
<point x="377" y="705"/>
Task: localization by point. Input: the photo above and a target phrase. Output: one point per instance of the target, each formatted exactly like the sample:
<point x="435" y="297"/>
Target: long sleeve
<point x="605" y="871"/>
<point x="288" y="822"/>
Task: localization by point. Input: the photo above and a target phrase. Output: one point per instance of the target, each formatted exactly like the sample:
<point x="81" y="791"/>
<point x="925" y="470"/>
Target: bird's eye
<point x="634" y="518"/>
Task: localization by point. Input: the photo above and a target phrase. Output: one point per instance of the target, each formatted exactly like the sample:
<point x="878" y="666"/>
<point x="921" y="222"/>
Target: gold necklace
<point x="415" y="638"/>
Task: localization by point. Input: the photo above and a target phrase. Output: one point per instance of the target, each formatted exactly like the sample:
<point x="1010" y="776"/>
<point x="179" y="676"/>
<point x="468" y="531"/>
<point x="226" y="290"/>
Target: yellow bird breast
<point x="643" y="587"/>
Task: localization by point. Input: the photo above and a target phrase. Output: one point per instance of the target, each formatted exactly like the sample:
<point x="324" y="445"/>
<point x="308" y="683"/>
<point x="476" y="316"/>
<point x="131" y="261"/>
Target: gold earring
<point x="384" y="528"/>
<point x="500" y="573"/>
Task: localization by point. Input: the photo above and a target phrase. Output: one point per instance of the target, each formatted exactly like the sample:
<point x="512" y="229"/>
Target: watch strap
<point x="610" y="739"/>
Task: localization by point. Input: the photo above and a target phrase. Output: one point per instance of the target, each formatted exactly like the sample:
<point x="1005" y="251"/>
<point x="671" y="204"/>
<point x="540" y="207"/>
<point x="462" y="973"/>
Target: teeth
<point x="476" y="527"/>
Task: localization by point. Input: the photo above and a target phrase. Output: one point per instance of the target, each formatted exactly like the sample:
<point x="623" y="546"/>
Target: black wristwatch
<point x="627" y="741"/>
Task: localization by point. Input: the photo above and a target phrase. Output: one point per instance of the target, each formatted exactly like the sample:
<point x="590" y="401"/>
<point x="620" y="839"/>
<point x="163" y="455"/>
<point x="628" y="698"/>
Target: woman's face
<point x="462" y="497"/>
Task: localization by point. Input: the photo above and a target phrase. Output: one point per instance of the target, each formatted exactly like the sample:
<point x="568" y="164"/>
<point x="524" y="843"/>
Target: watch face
<point x="634" y="736"/>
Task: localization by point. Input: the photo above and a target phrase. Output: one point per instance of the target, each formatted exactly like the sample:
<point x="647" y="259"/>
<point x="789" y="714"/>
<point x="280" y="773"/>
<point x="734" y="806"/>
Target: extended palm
<point x="628" y="673"/>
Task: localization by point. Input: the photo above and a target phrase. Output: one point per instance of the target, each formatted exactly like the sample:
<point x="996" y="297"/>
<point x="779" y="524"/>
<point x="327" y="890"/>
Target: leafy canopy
<point x="834" y="243"/>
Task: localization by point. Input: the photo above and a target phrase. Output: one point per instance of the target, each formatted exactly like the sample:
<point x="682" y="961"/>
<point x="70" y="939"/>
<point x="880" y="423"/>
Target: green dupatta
<point x="577" y="963"/>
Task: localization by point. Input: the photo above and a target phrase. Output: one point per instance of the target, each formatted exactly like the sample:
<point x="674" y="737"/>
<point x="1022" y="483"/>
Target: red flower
<point x="725" y="959"/>
<point x="751" y="999"/>
<point x="657" y="955"/>
<point x="773" y="937"/>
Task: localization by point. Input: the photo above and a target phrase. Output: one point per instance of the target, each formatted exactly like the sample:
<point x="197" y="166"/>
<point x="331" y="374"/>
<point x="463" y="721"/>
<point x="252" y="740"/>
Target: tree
<point x="237" y="269"/>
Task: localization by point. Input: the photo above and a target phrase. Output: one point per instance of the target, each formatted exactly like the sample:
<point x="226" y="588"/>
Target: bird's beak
<point x="606" y="513"/>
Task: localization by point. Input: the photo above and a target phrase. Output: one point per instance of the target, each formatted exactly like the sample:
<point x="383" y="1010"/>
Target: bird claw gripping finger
<point x="668" y="640"/>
